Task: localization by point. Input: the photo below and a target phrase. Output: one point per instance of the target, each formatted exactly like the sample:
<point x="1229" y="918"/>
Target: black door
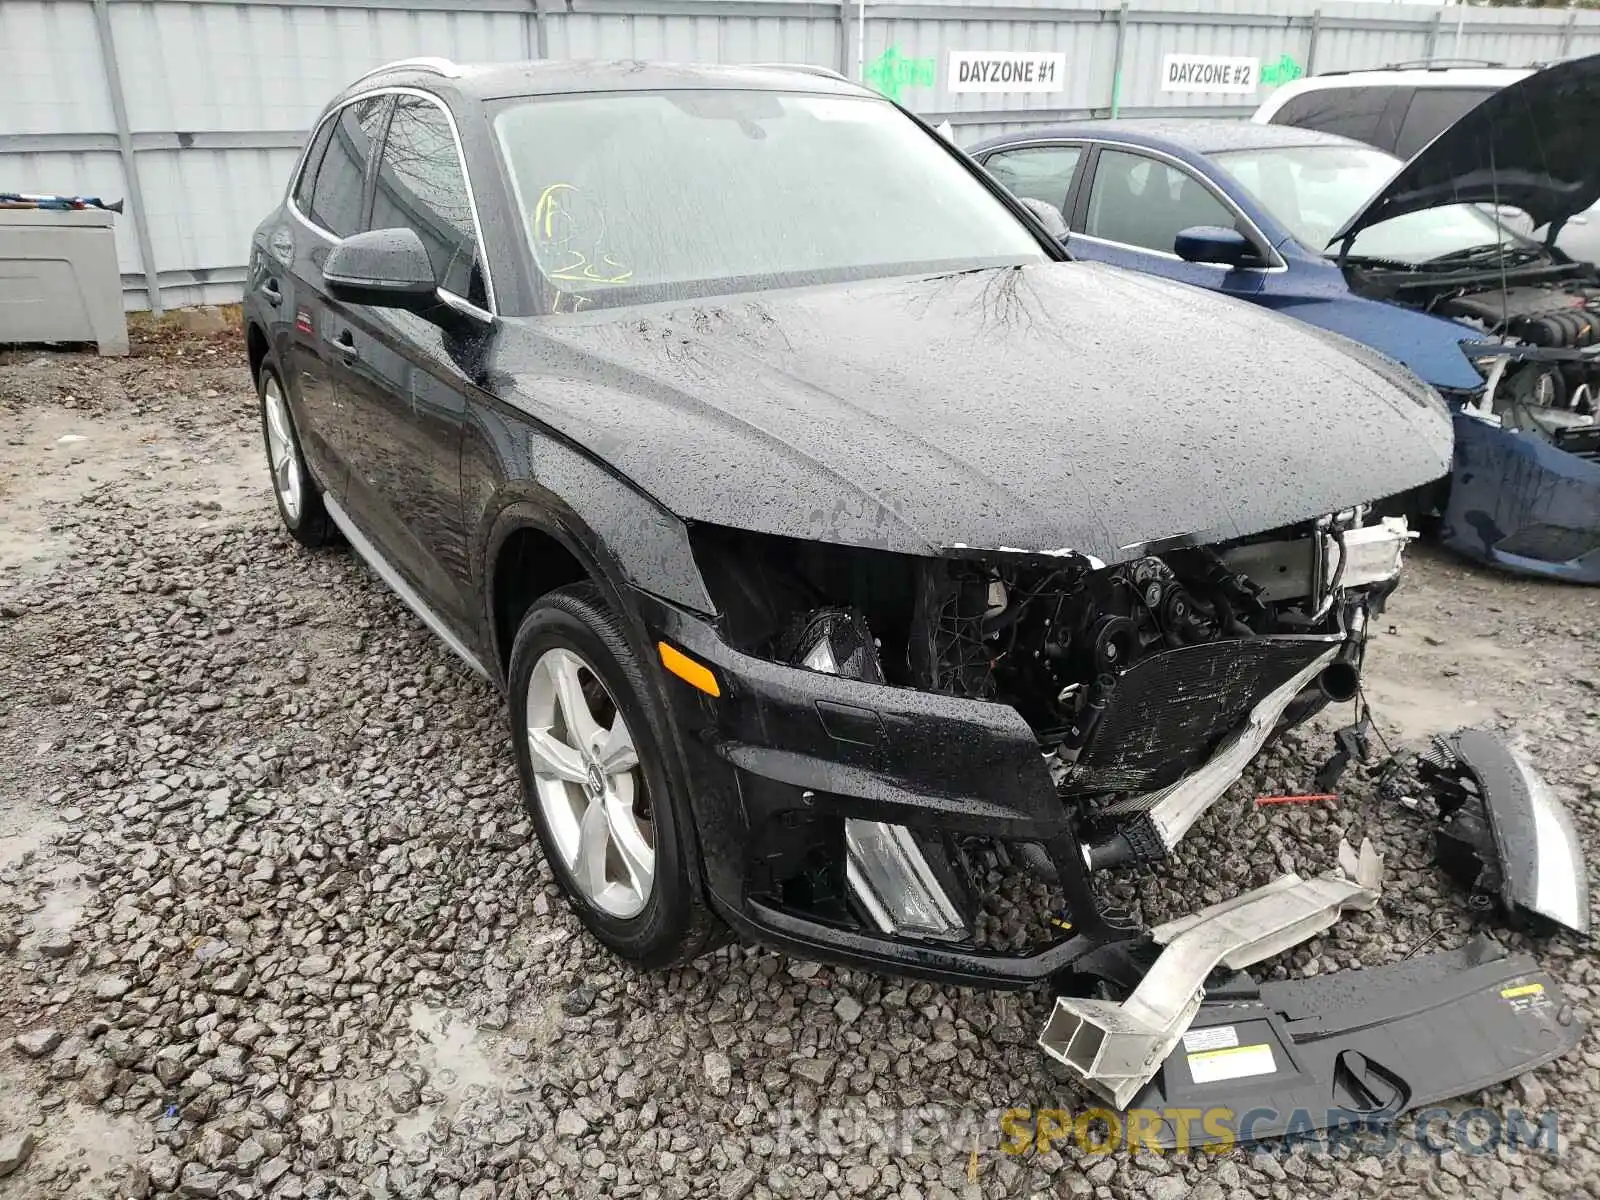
<point x="331" y="200"/>
<point x="411" y="377"/>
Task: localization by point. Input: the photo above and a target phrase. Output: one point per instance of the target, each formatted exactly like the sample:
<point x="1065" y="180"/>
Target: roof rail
<point x="803" y="68"/>
<point x="439" y="66"/>
<point x="1431" y="64"/>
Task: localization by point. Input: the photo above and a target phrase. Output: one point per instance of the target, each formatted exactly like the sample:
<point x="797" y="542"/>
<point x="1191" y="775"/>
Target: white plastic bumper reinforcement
<point x="1117" y="1048"/>
<point x="1177" y="807"/>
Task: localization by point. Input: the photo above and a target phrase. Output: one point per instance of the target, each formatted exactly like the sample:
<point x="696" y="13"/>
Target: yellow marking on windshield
<point x="557" y="222"/>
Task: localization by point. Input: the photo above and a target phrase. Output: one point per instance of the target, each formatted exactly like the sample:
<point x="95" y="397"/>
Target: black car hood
<point x="1053" y="408"/>
<point x="1530" y="145"/>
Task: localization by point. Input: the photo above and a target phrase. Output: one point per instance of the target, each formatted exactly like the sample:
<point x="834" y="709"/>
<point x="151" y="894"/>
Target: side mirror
<point x="387" y="268"/>
<point x="1049" y="216"/>
<point x="1213" y="244"/>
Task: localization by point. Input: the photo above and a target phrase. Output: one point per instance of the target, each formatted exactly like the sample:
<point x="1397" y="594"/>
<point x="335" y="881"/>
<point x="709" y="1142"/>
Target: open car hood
<point x="1529" y="145"/>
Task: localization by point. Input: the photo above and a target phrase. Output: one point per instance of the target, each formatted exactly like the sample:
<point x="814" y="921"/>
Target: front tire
<point x="590" y="748"/>
<point x="299" y="502"/>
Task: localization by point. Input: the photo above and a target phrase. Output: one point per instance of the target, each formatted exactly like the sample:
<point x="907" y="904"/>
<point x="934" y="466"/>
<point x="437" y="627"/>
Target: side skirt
<point x="400" y="587"/>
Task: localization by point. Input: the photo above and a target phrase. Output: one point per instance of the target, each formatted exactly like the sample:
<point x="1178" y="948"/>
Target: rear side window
<point x="1368" y="114"/>
<point x="1036" y="172"/>
<point x="337" y="192"/>
<point x="421" y="186"/>
<point x="308" y="177"/>
<point x="1432" y="111"/>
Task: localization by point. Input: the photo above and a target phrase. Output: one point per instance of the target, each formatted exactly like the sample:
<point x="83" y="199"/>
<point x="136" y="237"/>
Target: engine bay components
<point x="1502" y="833"/>
<point x="1566" y="316"/>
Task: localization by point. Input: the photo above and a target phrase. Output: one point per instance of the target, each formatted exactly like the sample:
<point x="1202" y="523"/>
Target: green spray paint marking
<point x="892" y="72"/>
<point x="1282" y="71"/>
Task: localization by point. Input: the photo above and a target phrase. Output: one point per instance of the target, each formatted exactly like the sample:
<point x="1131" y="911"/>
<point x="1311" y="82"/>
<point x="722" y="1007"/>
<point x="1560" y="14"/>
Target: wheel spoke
<point x="554" y="758"/>
<point x="581" y="725"/>
<point x="637" y="855"/>
<point x="617" y="753"/>
<point x="593" y="841"/>
<point x="275" y="420"/>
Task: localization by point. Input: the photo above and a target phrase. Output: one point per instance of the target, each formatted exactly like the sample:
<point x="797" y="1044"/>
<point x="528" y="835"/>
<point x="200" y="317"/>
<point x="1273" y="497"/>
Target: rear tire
<point x="590" y="745"/>
<point x="300" y="504"/>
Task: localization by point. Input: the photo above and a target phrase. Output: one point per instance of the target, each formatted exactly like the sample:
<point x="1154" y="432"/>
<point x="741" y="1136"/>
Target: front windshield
<point x="1314" y="190"/>
<point x="632" y="197"/>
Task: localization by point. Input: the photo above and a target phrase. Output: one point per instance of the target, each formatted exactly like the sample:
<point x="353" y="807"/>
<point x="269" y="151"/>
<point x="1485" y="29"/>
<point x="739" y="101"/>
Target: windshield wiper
<point x="1372" y="260"/>
<point x="1478" y="255"/>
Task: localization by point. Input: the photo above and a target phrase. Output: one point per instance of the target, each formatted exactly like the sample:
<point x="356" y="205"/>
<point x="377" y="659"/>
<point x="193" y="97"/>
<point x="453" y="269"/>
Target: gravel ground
<point x="273" y="923"/>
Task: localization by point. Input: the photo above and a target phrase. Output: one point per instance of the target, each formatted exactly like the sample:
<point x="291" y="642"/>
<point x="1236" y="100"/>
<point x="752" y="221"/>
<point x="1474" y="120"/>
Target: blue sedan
<point x="1506" y="329"/>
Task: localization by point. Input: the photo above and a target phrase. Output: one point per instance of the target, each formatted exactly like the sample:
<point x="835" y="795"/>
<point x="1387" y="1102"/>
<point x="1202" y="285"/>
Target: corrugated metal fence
<point x="193" y="109"/>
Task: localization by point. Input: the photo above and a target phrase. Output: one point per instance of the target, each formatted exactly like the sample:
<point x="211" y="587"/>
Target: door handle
<point x="271" y="291"/>
<point x="345" y="343"/>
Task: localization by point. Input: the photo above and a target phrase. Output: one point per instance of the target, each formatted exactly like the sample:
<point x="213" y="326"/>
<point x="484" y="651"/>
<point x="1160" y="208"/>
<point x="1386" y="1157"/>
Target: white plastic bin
<point x="59" y="280"/>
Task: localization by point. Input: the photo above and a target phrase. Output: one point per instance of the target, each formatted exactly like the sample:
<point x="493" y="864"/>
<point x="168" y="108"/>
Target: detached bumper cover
<point x="1358" y="1048"/>
<point x="1503" y="832"/>
<point x="1523" y="504"/>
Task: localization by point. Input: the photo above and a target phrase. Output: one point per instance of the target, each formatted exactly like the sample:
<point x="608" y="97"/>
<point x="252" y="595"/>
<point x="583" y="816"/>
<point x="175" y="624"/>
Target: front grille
<point x="1549" y="543"/>
<point x="1169" y="711"/>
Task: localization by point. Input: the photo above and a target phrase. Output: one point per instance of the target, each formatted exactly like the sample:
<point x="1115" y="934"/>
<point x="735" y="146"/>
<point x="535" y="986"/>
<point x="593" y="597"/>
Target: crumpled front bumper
<point x="784" y="748"/>
<point x="1520" y="503"/>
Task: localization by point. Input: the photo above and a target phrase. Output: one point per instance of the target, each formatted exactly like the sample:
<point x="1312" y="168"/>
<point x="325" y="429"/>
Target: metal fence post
<point x="130" y="168"/>
<point x="1311" y="42"/>
<point x="1566" y="34"/>
<point x="844" y="38"/>
<point x="1116" y="60"/>
<point x="1433" y="34"/>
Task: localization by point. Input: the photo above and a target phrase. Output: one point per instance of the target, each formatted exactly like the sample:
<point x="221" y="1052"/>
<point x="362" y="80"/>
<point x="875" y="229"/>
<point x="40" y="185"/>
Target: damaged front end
<point x="1525" y="488"/>
<point x="896" y="739"/>
<point x="1146" y="686"/>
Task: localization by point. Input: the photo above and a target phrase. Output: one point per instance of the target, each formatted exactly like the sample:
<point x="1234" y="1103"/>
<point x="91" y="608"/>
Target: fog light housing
<point x="892" y="880"/>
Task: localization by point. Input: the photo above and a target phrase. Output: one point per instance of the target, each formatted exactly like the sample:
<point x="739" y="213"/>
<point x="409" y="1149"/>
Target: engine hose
<point x="1333" y="584"/>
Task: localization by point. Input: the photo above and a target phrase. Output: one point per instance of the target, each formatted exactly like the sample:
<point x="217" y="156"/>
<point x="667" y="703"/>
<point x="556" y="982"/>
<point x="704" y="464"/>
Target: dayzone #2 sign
<point x="1007" y="71"/>
<point x="1209" y="73"/>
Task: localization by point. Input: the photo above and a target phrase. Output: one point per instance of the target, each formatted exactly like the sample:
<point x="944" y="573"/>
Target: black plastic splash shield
<point x="1356" y="1049"/>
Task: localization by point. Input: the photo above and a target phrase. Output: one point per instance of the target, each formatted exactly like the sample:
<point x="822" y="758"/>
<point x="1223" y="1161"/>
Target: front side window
<point x="337" y="193"/>
<point x="639" y="196"/>
<point x="421" y="186"/>
<point x="1036" y="172"/>
<point x="1143" y="202"/>
<point x="1314" y="190"/>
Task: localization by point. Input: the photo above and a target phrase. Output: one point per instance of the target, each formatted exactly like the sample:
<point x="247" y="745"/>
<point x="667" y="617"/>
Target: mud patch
<point x="52" y="460"/>
<point x="81" y="1149"/>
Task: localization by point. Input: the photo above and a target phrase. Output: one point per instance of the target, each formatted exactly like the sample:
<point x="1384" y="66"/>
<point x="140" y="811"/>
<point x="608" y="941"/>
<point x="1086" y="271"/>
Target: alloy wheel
<point x="280" y="448"/>
<point x="590" y="789"/>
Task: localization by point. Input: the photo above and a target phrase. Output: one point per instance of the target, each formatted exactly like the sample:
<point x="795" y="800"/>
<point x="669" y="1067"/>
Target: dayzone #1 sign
<point x="1007" y="71"/>
<point x="1209" y="73"/>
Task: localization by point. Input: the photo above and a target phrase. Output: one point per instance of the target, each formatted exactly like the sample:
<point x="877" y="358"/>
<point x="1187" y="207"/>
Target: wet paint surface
<point x="1029" y="408"/>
